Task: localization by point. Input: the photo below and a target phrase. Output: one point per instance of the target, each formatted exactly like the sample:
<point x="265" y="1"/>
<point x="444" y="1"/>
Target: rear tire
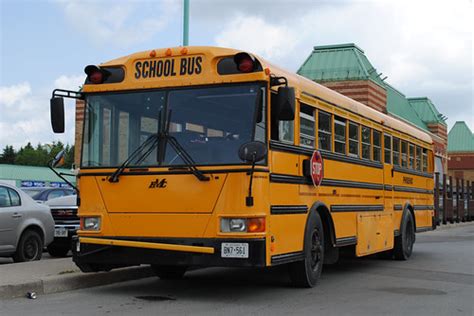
<point x="30" y="247"/>
<point x="169" y="272"/>
<point x="404" y="242"/>
<point x="306" y="273"/>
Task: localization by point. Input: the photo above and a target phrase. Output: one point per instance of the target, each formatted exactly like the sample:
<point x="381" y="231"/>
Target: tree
<point x="8" y="156"/>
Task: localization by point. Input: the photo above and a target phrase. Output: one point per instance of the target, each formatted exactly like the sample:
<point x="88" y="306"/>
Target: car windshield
<point x="32" y="192"/>
<point x="209" y="123"/>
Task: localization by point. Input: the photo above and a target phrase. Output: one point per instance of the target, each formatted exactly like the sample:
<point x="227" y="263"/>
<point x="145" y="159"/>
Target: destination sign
<point x="168" y="67"/>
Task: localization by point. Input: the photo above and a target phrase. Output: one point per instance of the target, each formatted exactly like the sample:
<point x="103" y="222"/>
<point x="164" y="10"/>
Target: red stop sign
<point x="317" y="168"/>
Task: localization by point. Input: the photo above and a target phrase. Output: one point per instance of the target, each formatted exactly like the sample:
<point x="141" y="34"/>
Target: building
<point x="346" y="69"/>
<point x="32" y="176"/>
<point x="461" y="152"/>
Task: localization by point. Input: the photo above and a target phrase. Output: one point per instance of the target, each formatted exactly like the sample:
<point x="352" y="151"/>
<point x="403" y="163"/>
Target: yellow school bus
<point x="206" y="156"/>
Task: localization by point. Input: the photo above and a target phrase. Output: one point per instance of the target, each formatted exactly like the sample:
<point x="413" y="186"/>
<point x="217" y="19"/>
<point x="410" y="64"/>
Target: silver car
<point x="26" y="227"/>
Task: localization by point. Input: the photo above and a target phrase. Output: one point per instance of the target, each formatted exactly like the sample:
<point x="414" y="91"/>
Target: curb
<point x="73" y="281"/>
<point x="453" y="225"/>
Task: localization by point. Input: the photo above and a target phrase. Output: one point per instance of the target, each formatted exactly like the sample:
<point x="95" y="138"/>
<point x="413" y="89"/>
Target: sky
<point x="425" y="48"/>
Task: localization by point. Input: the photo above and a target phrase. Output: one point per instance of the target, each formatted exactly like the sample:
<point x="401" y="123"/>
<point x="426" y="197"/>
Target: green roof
<point x="426" y="110"/>
<point x="398" y="105"/>
<point x="19" y="172"/>
<point x="338" y="62"/>
<point x="460" y="138"/>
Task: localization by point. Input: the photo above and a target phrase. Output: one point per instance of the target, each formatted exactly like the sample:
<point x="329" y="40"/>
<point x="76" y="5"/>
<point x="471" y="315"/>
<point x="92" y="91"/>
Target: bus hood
<point x="177" y="193"/>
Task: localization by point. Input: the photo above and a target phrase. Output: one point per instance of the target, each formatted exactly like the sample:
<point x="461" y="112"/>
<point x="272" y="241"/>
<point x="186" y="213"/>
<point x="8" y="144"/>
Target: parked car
<point x="45" y="193"/>
<point x="26" y="227"/>
<point x="66" y="223"/>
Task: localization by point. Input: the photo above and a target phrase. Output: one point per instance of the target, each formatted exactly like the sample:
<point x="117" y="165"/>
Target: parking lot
<point x="437" y="280"/>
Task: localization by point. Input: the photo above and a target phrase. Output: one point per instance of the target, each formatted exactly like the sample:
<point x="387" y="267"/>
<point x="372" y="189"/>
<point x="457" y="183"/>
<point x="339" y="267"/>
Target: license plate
<point x="60" y="232"/>
<point x="234" y="250"/>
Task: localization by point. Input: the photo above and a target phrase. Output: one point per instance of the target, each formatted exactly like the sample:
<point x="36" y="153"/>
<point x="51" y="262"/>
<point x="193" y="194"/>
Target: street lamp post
<point x="186" y="23"/>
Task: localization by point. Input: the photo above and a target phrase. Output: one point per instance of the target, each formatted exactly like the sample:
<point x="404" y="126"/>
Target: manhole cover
<point x="413" y="291"/>
<point x="155" y="298"/>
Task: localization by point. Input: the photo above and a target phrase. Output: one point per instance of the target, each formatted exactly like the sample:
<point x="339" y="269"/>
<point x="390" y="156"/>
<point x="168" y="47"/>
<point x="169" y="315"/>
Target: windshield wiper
<point x="188" y="160"/>
<point x="185" y="156"/>
<point x="153" y="139"/>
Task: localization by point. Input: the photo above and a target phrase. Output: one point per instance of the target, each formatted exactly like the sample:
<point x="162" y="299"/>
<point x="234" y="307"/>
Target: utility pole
<point x="186" y="23"/>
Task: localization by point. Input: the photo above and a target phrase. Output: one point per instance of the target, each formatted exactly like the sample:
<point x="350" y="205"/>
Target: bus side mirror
<point x="252" y="152"/>
<point x="58" y="160"/>
<point x="57" y="114"/>
<point x="284" y="107"/>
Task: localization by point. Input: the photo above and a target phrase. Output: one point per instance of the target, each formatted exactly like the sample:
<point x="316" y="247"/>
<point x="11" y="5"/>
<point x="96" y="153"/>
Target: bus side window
<point x="418" y="158"/>
<point x="307" y="126"/>
<point x="339" y="135"/>
<point x="404" y="154"/>
<point x="412" y="156"/>
<point x="425" y="160"/>
<point x="353" y="139"/>
<point x="396" y="151"/>
<point x="366" y="142"/>
<point x="324" y="130"/>
<point x="281" y="130"/>
<point x="377" y="145"/>
<point x="388" y="149"/>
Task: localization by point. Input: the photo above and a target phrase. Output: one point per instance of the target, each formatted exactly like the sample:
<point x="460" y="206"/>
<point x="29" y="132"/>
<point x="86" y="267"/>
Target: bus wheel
<point x="169" y="272"/>
<point x="404" y="242"/>
<point x="306" y="273"/>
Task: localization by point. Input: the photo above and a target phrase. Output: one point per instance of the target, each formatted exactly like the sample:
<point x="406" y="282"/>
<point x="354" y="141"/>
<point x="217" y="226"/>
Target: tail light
<point x="245" y="62"/>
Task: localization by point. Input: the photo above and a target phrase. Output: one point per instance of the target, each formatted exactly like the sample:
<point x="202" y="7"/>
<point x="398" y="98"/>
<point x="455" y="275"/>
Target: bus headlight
<point x="90" y="223"/>
<point x="243" y="225"/>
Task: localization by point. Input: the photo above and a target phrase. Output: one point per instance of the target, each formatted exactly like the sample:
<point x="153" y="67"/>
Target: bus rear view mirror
<point x="57" y="114"/>
<point x="252" y="152"/>
<point x="58" y="160"/>
<point x="284" y="107"/>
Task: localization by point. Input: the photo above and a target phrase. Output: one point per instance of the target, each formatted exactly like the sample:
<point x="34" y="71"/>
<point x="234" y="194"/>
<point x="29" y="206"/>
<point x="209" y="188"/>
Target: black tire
<point x="58" y="250"/>
<point x="306" y="273"/>
<point x="404" y="242"/>
<point x="30" y="247"/>
<point x="169" y="272"/>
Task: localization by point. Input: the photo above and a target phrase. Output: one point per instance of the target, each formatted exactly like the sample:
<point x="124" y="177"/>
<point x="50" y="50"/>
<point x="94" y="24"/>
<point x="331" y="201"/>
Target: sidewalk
<point x="58" y="275"/>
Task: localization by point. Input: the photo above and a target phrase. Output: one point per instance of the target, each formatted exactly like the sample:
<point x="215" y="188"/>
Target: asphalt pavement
<point x="437" y="280"/>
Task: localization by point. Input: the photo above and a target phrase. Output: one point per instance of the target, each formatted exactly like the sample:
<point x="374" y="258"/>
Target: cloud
<point x="11" y="95"/>
<point x="25" y="113"/>
<point x="424" y="47"/>
<point x="118" y="23"/>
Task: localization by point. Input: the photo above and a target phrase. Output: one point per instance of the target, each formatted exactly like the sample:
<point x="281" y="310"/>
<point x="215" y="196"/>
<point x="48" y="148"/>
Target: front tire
<point x="169" y="272"/>
<point x="404" y="242"/>
<point x="30" y="247"/>
<point x="306" y="273"/>
<point x="58" y="250"/>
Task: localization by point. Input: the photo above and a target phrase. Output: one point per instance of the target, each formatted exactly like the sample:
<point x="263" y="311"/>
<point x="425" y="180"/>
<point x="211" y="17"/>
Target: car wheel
<point x="58" y="251"/>
<point x="404" y="242"/>
<point x="30" y="247"/>
<point x="169" y="272"/>
<point x="307" y="272"/>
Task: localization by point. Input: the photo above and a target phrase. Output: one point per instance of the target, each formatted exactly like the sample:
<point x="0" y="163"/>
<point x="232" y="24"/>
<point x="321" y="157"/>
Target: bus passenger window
<point x="339" y="135"/>
<point x="324" y="130"/>
<point x="388" y="149"/>
<point x="418" y="158"/>
<point x="353" y="139"/>
<point x="366" y="142"/>
<point x="425" y="160"/>
<point x="281" y="130"/>
<point x="412" y="156"/>
<point x="306" y="126"/>
<point x="377" y="144"/>
<point x="404" y="154"/>
<point x="396" y="151"/>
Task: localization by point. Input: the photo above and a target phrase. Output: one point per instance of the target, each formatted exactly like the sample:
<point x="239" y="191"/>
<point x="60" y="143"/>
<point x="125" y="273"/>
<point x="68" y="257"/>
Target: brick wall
<point x="364" y="91"/>
<point x="461" y="165"/>
<point x="78" y="138"/>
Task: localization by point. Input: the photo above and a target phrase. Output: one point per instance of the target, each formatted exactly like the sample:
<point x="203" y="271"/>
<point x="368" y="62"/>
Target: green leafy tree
<point x="8" y="156"/>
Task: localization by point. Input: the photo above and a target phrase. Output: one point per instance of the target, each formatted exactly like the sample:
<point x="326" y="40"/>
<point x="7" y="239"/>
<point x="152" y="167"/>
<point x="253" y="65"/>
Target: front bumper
<point x="108" y="254"/>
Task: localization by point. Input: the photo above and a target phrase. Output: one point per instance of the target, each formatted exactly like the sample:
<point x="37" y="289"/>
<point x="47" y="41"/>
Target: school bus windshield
<point x="210" y="123"/>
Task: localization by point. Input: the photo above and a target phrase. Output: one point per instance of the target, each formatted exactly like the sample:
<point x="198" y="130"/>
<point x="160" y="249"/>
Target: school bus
<point x="206" y="156"/>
